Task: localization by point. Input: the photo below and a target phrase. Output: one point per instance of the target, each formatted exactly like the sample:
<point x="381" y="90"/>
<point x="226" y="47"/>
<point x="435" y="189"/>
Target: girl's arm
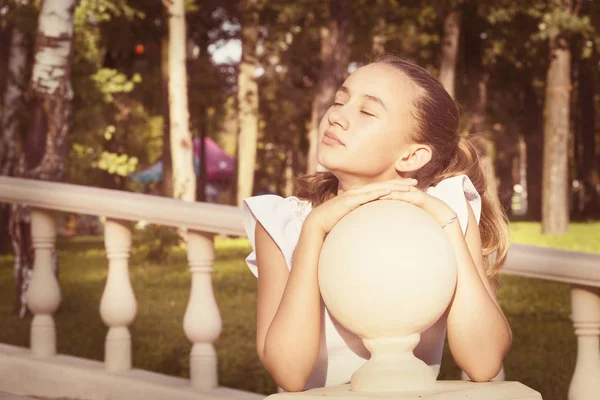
<point x="289" y="306"/>
<point x="478" y="334"/>
<point x="289" y="302"/>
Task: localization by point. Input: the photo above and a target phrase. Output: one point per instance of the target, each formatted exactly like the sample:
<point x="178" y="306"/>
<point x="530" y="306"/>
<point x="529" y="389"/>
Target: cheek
<point x="379" y="146"/>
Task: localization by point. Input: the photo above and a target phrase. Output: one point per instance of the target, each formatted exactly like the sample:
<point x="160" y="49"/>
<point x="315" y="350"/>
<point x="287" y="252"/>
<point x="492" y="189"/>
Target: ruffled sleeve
<point x="280" y="218"/>
<point x="456" y="192"/>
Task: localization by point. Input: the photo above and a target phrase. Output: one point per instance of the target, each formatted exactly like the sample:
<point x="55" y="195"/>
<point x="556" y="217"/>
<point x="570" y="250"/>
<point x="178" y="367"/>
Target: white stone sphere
<point x="387" y="269"/>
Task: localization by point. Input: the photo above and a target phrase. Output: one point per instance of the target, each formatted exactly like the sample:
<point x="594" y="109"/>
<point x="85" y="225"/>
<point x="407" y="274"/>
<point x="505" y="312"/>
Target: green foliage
<point x="156" y="242"/>
<point x="120" y="164"/>
<point x="110" y="82"/>
<point x="560" y="20"/>
<point x="582" y="237"/>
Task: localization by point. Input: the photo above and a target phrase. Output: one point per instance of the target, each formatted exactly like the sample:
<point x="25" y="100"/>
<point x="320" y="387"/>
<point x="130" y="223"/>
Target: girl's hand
<point x="435" y="207"/>
<point x="326" y="215"/>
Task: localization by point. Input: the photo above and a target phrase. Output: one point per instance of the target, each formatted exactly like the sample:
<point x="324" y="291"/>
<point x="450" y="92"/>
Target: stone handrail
<point x="120" y="205"/>
<point x="553" y="265"/>
<point x="202" y="321"/>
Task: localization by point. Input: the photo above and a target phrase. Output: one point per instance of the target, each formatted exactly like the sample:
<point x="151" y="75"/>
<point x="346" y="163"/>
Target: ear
<point x="415" y="157"/>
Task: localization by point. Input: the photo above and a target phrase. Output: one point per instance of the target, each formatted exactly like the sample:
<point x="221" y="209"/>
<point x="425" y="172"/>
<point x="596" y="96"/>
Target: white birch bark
<point x="53" y="46"/>
<point x="182" y="151"/>
<point x="50" y="96"/>
<point x="247" y="101"/>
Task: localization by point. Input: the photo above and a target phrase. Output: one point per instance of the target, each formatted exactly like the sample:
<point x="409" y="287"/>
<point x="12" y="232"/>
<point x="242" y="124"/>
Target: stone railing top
<point x="529" y="261"/>
<point x="553" y="265"/>
<point x="205" y="217"/>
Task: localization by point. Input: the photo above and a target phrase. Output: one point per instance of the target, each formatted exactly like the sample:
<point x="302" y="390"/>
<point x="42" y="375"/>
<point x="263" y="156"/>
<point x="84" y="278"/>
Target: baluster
<point x="43" y="294"/>
<point x="202" y="321"/>
<point x="585" y="313"/>
<point x="118" y="306"/>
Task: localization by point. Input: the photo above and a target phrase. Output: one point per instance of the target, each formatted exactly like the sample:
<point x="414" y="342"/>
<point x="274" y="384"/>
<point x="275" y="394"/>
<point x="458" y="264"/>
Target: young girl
<point x="391" y="134"/>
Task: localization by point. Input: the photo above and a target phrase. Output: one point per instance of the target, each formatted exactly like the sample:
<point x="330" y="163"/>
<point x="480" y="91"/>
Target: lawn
<point x="542" y="357"/>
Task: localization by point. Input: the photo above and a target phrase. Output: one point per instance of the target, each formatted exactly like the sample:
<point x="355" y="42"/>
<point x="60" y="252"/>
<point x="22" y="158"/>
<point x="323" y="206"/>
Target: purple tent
<point x="219" y="165"/>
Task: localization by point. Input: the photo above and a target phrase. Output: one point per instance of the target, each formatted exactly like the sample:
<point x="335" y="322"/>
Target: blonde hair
<point x="436" y="119"/>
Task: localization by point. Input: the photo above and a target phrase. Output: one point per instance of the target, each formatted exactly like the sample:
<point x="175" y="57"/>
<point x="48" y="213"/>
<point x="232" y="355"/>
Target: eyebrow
<point x="376" y="99"/>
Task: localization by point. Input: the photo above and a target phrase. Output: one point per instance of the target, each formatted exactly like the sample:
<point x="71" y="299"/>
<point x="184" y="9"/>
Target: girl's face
<point x="367" y="129"/>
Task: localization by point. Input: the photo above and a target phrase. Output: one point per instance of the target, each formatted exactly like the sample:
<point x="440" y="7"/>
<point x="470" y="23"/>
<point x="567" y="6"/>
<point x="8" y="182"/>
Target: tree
<point x="555" y="184"/>
<point x="450" y="43"/>
<point x="13" y="100"/>
<point x="334" y="65"/>
<point x="478" y="77"/>
<point x="247" y="100"/>
<point x="11" y="118"/>
<point x="184" y="178"/>
<point x="49" y="96"/>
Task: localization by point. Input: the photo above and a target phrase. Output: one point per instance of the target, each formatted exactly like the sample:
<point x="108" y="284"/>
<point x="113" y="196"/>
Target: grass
<point x="542" y="357"/>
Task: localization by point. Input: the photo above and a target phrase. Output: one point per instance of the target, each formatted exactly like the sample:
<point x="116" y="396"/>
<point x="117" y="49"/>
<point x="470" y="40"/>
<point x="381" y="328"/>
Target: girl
<point x="391" y="134"/>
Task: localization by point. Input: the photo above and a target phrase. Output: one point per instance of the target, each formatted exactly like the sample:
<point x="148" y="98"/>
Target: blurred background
<point x="219" y="100"/>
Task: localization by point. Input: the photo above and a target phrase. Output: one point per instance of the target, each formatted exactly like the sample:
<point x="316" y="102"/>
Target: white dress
<point x="341" y="352"/>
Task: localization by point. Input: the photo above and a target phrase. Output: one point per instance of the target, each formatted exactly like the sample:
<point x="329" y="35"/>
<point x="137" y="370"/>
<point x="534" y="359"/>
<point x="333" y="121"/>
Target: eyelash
<point x="362" y="112"/>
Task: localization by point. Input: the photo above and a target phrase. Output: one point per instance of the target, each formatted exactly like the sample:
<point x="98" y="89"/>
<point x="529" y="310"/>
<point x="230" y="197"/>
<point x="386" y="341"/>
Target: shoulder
<point x="281" y="218"/>
<point x="460" y="194"/>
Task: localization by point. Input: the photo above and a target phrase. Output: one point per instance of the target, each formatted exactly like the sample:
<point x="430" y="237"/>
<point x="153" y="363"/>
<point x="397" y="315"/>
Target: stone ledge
<point x="443" y="390"/>
<point x="77" y="378"/>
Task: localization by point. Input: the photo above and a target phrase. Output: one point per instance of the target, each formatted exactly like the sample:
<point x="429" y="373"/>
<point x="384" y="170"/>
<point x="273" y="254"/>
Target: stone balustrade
<point x="202" y="321"/>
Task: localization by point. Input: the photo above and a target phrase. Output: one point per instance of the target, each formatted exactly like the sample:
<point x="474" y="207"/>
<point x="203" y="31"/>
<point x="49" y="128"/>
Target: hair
<point x="435" y="117"/>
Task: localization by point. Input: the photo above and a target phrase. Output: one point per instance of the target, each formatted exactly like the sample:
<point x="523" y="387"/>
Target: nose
<point x="337" y="117"/>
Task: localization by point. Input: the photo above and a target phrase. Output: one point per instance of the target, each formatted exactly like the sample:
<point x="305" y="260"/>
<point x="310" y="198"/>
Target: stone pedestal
<point x="441" y="390"/>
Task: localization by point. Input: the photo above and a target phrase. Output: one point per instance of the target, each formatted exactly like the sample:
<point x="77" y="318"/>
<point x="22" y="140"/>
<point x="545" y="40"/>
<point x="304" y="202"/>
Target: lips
<point x="331" y="138"/>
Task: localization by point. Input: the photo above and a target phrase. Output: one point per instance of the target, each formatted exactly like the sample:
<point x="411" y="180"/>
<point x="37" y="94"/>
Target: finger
<point x="406" y="181"/>
<point x="366" y="197"/>
<point x="414" y="197"/>
<point x="396" y="183"/>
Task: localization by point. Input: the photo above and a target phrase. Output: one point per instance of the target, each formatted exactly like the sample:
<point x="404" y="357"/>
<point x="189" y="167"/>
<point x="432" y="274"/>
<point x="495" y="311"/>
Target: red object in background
<point x="139" y="49"/>
<point x="219" y="165"/>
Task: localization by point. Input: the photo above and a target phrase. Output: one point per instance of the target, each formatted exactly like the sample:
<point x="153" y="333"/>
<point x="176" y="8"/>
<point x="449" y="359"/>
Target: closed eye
<point x="367" y="113"/>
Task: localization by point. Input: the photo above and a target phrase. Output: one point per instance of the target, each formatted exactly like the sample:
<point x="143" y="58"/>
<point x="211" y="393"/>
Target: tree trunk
<point x="182" y="153"/>
<point x="532" y="123"/>
<point x="588" y="171"/>
<point x="13" y="100"/>
<point x="13" y="103"/>
<point x="555" y="188"/>
<point x="450" y="51"/>
<point x="334" y="65"/>
<point x="522" y="174"/>
<point x="477" y="125"/>
<point x="167" y="179"/>
<point x="202" y="179"/>
<point x="478" y="129"/>
<point x="247" y="101"/>
<point x="50" y="101"/>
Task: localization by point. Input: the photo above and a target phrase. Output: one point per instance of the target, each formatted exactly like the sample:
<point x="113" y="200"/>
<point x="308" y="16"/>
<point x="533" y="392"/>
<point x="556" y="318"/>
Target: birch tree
<point x="247" y="100"/>
<point x="49" y="99"/>
<point x="182" y="151"/>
